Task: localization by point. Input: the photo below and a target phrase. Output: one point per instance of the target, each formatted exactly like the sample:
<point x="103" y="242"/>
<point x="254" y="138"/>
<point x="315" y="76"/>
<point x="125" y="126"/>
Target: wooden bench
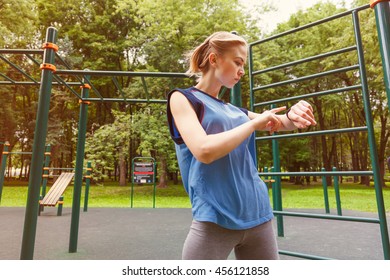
<point x="54" y="196"/>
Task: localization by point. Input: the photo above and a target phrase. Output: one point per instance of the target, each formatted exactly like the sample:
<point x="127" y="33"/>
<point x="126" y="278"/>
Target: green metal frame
<point x="81" y="78"/>
<point x="78" y="178"/>
<point x="30" y="221"/>
<point x="382" y="15"/>
<point x="87" y="183"/>
<point x="3" y="165"/>
<point x="363" y="87"/>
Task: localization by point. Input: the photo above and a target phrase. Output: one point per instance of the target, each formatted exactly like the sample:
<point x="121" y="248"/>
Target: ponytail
<point x="219" y="43"/>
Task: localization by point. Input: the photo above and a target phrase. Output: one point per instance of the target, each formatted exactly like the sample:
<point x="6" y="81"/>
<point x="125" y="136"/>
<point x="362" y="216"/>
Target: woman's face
<point x="230" y="66"/>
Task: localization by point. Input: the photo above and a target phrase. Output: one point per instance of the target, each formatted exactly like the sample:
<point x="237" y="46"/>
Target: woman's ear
<point x="213" y="59"/>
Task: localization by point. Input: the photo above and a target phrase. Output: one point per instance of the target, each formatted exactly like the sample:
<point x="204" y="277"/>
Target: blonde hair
<point x="219" y="43"/>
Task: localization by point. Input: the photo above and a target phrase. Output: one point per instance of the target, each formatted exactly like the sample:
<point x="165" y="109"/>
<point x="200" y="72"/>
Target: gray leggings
<point x="208" y="241"/>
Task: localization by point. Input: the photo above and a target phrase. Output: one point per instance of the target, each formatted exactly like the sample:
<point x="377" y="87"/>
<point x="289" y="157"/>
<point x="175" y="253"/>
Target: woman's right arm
<point x="208" y="148"/>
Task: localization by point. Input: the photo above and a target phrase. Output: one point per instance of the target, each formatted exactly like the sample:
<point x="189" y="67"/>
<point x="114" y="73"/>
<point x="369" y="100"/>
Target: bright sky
<point x="284" y="9"/>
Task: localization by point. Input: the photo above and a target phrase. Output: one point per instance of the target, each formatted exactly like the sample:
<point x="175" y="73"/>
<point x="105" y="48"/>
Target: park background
<point x="154" y="36"/>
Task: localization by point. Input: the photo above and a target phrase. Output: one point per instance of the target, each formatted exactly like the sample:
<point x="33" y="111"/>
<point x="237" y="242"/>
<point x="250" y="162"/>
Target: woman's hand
<point x="268" y="120"/>
<point x="301" y="115"/>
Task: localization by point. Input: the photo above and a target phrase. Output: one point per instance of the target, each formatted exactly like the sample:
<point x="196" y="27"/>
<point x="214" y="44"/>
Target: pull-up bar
<point x="80" y="76"/>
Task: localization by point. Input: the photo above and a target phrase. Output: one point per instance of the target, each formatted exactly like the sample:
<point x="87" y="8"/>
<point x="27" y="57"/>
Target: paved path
<point x="144" y="234"/>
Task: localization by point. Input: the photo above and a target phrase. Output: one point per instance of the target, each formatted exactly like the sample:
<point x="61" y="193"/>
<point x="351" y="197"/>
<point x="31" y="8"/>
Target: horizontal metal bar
<point x="125" y="100"/>
<point x="59" y="80"/>
<point x="60" y="168"/>
<point x="20" y="51"/>
<point x="26" y="83"/>
<point x="308" y="95"/>
<point x="312" y="133"/>
<point x="318" y="173"/>
<point x="303" y="256"/>
<point x="293" y="63"/>
<point x="327" y="217"/>
<point x="309" y="25"/>
<point x="304" y="78"/>
<point x="121" y="73"/>
<point x="21" y="153"/>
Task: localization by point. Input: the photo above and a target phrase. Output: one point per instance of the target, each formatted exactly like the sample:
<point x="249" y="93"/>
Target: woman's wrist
<point x="288" y="111"/>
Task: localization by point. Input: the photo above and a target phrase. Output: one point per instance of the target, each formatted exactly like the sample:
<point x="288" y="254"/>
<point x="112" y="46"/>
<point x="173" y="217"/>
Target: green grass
<point x="110" y="195"/>
<point x="353" y="196"/>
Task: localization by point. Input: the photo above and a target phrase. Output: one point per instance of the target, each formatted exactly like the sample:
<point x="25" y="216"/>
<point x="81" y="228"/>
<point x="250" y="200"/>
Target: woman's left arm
<point x="299" y="115"/>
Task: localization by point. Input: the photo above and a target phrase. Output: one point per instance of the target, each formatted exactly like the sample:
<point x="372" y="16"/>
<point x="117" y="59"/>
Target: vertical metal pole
<point x="87" y="183"/>
<point x="266" y="177"/>
<point x="273" y="188"/>
<point x="277" y="186"/>
<point x="235" y="95"/>
<point x="31" y="216"/>
<point x="382" y="15"/>
<point x="3" y="167"/>
<point x="46" y="170"/>
<point x="235" y="92"/>
<point x="325" y="188"/>
<point x="337" y="192"/>
<point x="154" y="183"/>
<point x="132" y="183"/>
<point x="371" y="140"/>
<point x="60" y="205"/>
<point x="251" y="82"/>
<point x="78" y="179"/>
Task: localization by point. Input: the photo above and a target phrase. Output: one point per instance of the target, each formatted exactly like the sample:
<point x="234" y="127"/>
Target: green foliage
<point x="149" y="124"/>
<point x="17" y="23"/>
<point x="107" y="143"/>
<point x="171" y="28"/>
<point x="146" y="35"/>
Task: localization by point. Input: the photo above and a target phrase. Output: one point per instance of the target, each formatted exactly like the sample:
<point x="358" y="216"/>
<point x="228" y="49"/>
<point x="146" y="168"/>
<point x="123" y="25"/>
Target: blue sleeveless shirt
<point x="228" y="191"/>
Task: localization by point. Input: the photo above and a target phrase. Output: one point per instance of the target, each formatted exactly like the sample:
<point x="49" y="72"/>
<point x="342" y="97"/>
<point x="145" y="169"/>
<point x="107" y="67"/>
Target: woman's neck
<point x="209" y="86"/>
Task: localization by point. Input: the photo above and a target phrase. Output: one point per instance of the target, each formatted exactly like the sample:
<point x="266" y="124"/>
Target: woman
<point x="214" y="146"/>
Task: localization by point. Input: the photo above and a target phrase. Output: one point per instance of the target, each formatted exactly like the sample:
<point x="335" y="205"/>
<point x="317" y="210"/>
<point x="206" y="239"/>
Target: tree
<point x="17" y="29"/>
<point x="155" y="139"/>
<point x="109" y="144"/>
<point x="17" y="23"/>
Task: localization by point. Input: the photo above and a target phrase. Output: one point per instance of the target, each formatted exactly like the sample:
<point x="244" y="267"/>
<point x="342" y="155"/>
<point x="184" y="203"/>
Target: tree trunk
<point x="163" y="174"/>
<point x="122" y="169"/>
<point x="321" y="121"/>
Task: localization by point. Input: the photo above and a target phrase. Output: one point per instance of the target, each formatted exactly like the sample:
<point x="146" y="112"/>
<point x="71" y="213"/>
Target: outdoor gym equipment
<point x="143" y="172"/>
<point x="54" y="196"/>
<point x="383" y="16"/>
<point x="51" y="75"/>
